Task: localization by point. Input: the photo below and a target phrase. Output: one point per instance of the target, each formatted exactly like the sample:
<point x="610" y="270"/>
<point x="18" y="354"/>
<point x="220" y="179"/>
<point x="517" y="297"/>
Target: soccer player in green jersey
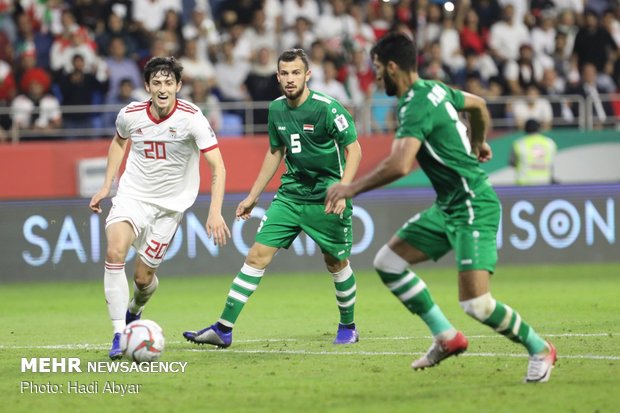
<point x="317" y="139"/>
<point x="464" y="217"/>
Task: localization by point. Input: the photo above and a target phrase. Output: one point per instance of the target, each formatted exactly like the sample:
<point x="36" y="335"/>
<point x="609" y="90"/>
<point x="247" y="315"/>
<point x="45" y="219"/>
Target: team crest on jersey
<point x="341" y="122"/>
<point x="173" y="132"/>
<point x="308" y="128"/>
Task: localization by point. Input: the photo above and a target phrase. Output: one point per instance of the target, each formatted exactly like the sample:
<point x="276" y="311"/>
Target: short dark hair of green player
<point x="292" y="54"/>
<point x="163" y="65"/>
<point x="398" y="48"/>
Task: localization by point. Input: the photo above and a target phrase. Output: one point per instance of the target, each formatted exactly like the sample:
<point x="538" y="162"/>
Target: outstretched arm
<point x="480" y="122"/>
<point x="116" y="152"/>
<point x="353" y="153"/>
<point x="216" y="226"/>
<point x="395" y="166"/>
<point x="272" y="160"/>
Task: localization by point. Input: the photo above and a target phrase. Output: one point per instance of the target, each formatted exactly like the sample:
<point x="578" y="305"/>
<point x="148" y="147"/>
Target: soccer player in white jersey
<point x="160" y="182"/>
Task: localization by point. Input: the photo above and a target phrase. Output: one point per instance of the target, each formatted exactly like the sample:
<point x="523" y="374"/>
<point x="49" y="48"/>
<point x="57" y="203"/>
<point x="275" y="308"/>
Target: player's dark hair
<point x="532" y="126"/>
<point x="399" y="48"/>
<point x="292" y="54"/>
<point x="163" y="65"/>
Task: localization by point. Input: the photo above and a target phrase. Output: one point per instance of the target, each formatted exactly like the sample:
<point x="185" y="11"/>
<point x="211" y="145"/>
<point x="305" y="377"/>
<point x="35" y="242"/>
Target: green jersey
<point x="314" y="135"/>
<point x="429" y="112"/>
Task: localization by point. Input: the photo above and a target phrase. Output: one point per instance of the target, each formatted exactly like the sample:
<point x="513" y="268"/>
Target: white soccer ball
<point x="142" y="340"/>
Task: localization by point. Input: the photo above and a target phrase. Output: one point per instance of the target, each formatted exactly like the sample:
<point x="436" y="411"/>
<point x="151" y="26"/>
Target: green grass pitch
<point x="282" y="358"/>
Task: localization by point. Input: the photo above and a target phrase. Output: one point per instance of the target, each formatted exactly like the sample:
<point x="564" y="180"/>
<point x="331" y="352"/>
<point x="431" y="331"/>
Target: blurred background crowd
<point x="66" y="67"/>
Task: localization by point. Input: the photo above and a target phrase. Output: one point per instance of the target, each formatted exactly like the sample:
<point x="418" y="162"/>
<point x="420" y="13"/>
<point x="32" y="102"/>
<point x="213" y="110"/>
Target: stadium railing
<point x="374" y="116"/>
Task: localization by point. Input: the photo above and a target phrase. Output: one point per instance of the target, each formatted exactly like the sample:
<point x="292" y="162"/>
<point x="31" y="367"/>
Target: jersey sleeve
<point x="274" y="137"/>
<point x="414" y="121"/>
<point x="202" y="132"/>
<point x="340" y="124"/>
<point x="122" y="128"/>
<point x="457" y="98"/>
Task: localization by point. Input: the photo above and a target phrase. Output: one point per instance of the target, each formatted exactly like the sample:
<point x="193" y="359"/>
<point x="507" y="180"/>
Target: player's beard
<point x="389" y="84"/>
<point x="295" y="94"/>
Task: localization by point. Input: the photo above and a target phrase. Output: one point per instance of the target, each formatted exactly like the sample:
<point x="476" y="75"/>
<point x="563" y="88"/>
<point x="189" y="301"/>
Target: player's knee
<point x="115" y="255"/>
<point x="388" y="261"/>
<point x="143" y="279"/>
<point x="480" y="307"/>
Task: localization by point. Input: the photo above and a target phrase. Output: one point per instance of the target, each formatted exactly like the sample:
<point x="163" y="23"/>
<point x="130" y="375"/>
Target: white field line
<point x="392" y="353"/>
<point x="87" y="346"/>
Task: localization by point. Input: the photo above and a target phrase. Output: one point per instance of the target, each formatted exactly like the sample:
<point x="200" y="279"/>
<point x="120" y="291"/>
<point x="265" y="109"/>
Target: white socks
<point x="141" y="296"/>
<point x="116" y="294"/>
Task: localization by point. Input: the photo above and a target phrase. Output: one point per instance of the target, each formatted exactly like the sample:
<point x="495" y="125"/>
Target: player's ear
<point x="147" y="87"/>
<point x="391" y="67"/>
<point x="179" y="84"/>
<point x="308" y="75"/>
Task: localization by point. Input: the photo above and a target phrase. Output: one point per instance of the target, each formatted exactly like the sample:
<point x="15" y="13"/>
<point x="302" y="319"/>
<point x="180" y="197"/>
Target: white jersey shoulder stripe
<point x="321" y="98"/>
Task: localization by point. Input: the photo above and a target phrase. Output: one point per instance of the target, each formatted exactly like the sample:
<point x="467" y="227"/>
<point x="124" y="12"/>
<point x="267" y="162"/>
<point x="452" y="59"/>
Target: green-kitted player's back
<point x="314" y="135"/>
<point x="429" y="112"/>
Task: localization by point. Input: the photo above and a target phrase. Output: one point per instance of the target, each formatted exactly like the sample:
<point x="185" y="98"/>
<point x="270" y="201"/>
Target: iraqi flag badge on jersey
<point x="308" y="128"/>
<point x="173" y="132"/>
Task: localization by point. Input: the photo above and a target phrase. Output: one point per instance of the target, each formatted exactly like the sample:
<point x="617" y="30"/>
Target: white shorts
<point x="154" y="226"/>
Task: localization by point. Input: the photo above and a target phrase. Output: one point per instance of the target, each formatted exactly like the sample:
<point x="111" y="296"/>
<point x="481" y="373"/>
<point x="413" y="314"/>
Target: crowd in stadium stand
<point x="59" y="53"/>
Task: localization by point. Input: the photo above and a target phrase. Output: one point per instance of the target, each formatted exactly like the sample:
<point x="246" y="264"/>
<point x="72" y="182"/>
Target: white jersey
<point x="163" y="163"/>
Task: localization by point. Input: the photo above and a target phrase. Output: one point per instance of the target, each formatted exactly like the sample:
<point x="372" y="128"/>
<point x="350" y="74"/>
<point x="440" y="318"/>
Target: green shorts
<point x="471" y="230"/>
<point x="285" y="219"/>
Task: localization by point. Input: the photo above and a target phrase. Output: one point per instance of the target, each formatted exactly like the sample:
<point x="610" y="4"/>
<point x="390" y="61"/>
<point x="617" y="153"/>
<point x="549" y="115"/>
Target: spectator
<point x="80" y="88"/>
<point x="318" y="54"/>
<point x="73" y="40"/>
<point x="239" y="12"/>
<point x="363" y="36"/>
<point x="127" y="93"/>
<point x="533" y="156"/>
<point x="532" y="107"/>
<point x="525" y="71"/>
<point x="543" y="35"/>
<point x="230" y="73"/>
<point x="612" y="25"/>
<point x="299" y="36"/>
<point x="262" y="85"/>
<point x="206" y="100"/>
<point x="308" y="9"/>
<point x="489" y="12"/>
<point x="36" y="109"/>
<point x="171" y="34"/>
<point x="433" y="67"/>
<point x="8" y="88"/>
<point x="116" y="26"/>
<point x="507" y="36"/>
<point x="149" y="15"/>
<point x="382" y="17"/>
<point x="336" y="27"/>
<point x="241" y="45"/>
<point x="472" y="36"/>
<point x="273" y="16"/>
<point x="593" y="43"/>
<point x="554" y="86"/>
<point x="194" y="69"/>
<point x="567" y="25"/>
<point x="331" y="86"/>
<point x="451" y="52"/>
<point x="29" y="39"/>
<point x="494" y="91"/>
<point x="119" y="66"/>
<point x="589" y="88"/>
<point x="258" y="35"/>
<point x="430" y="29"/>
<point x="202" y="28"/>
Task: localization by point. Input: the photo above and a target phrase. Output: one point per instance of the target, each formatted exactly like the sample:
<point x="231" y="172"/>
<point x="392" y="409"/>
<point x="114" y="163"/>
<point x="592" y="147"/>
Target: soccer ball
<point x="142" y="340"/>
